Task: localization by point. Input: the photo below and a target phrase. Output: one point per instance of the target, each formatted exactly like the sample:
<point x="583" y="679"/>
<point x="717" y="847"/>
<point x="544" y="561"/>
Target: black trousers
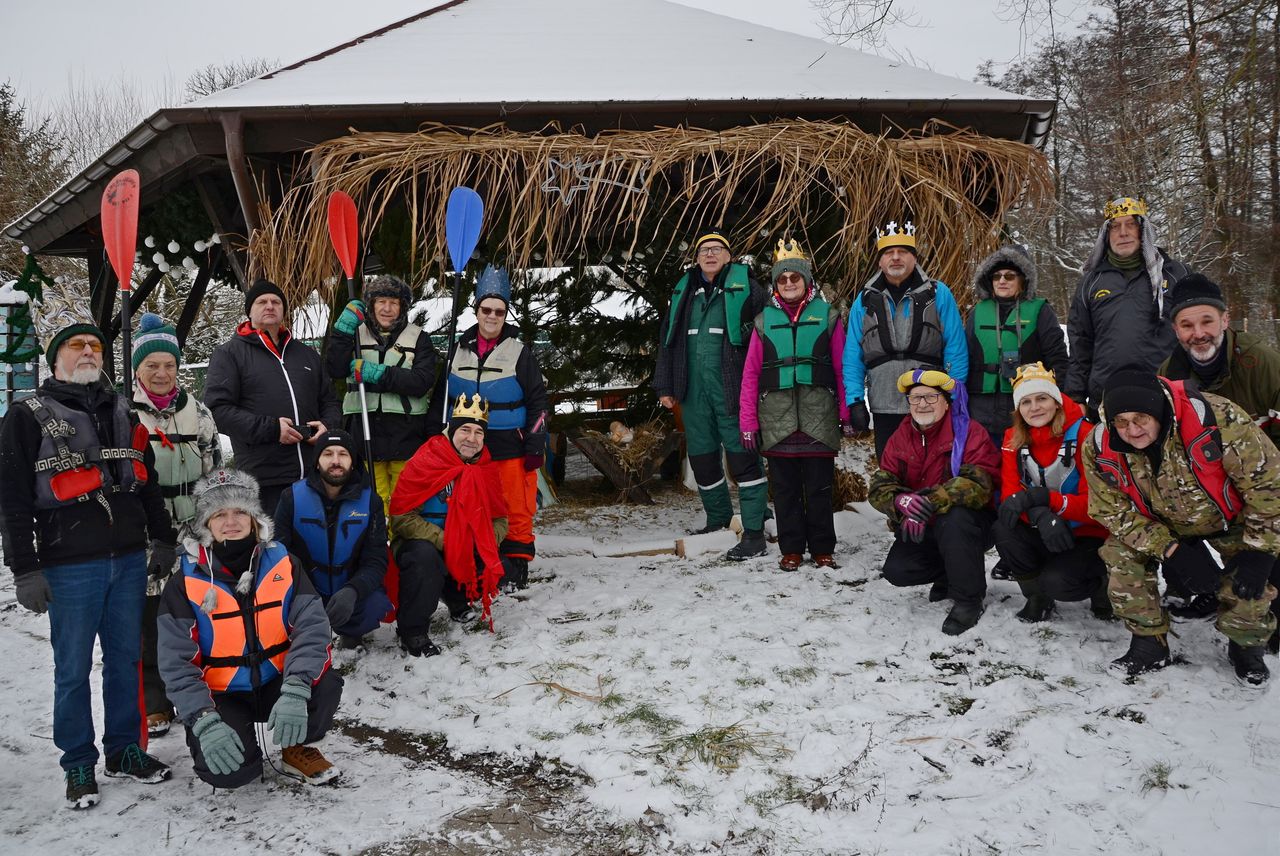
<point x="951" y="550"/>
<point x="1076" y="574"/>
<point x="802" y="499"/>
<point x="884" y="424"/>
<point x="153" y="694"/>
<point x="424" y="582"/>
<point x="242" y="710"/>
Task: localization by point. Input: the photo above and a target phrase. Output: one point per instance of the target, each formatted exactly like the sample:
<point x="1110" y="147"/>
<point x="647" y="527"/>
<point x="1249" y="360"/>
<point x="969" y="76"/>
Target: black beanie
<point x="261" y="287"/>
<point x="1194" y="290"/>
<point x="1134" y="390"/>
<point x="336" y="437"/>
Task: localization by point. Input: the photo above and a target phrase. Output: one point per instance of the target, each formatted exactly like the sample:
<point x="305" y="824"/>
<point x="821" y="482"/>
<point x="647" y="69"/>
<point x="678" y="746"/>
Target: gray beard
<point x="84" y="376"/>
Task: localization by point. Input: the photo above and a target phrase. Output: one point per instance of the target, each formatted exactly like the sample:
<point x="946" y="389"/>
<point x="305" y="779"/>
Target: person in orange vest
<point x="244" y="639"/>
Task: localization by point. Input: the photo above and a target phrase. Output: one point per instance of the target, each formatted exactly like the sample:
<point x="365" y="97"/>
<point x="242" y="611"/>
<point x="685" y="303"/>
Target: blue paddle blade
<point x="462" y="219"/>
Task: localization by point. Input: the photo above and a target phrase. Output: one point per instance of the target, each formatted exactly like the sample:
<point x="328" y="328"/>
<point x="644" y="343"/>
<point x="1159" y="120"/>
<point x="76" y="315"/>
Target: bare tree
<point x="861" y="21"/>
<point x="216" y="77"/>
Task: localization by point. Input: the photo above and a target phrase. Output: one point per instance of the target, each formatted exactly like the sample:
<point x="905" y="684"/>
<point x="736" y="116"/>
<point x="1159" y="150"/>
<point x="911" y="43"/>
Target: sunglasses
<point x="80" y="344"/>
<point x="785" y="278"/>
<point x="1012" y="276"/>
<point x="489" y="310"/>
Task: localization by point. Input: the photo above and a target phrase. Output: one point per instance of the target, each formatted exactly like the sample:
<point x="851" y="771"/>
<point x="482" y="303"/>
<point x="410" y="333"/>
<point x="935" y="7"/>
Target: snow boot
<point x="939" y="591"/>
<point x="516" y="575"/>
<point x="1251" y="671"/>
<point x="1000" y="572"/>
<point x="1145" y="654"/>
<point x="1199" y="606"/>
<point x="1039" y="606"/>
<point x="751" y="546"/>
<point x="790" y="561"/>
<point x="962" y="617"/>
<point x="419" y="646"/>
<point x="307" y="763"/>
<point x="82" y="787"/>
<point x="826" y="560"/>
<point x="709" y="528"/>
<point x="1100" y="603"/>
<point x="158" y="724"/>
<point x="132" y="763"/>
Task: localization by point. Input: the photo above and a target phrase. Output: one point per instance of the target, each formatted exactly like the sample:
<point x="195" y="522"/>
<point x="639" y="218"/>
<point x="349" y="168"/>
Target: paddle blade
<point x="120" y="224"/>
<point x="344" y="230"/>
<point x="462" y="220"/>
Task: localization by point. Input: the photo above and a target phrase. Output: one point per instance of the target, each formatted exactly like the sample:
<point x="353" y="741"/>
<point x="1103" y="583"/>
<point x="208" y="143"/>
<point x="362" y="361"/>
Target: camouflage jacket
<point x="1180" y="506"/>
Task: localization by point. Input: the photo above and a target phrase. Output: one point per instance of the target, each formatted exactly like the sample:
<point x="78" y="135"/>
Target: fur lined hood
<point x="1010" y="255"/>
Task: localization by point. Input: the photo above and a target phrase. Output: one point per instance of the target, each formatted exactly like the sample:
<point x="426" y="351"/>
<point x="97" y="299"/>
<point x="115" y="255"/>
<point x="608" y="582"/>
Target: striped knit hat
<point x="154" y="336"/>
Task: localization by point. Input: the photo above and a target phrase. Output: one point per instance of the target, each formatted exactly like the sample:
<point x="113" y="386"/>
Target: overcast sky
<point x="50" y="43"/>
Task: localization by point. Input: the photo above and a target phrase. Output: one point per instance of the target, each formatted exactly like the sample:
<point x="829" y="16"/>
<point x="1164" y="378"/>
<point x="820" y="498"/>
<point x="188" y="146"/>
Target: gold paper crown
<point x="788" y="249"/>
<point x="1125" y="206"/>
<point x="1034" y="371"/>
<point x="894" y="235"/>
<point x="478" y="409"/>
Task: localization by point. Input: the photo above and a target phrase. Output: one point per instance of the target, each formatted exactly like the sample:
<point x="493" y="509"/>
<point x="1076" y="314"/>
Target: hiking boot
<point x="82" y="787"/>
<point x="1000" y="572"/>
<point x="1251" y="671"/>
<point x="132" y="763"/>
<point x="962" y="617"/>
<point x="790" y="561"/>
<point x="709" y="528"/>
<point x="158" y="724"/>
<point x="348" y="643"/>
<point x="419" y="646"/>
<point x="826" y="560"/>
<point x="463" y="614"/>
<point x="939" y="591"/>
<point x="1200" y="606"/>
<point x="516" y="576"/>
<point x="1038" y="606"/>
<point x="307" y="763"/>
<point x="751" y="546"/>
<point x="1145" y="654"/>
<point x="1100" y="603"/>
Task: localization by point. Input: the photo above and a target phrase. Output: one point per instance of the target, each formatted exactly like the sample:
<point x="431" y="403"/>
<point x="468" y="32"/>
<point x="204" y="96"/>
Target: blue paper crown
<point x="494" y="282"/>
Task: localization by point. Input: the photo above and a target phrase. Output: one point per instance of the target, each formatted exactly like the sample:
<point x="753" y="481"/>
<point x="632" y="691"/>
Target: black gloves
<point x="160" y="564"/>
<point x="33" y="591"/>
<point x="1251" y="569"/>
<point x="1054" y="531"/>
<point x="1015" y="505"/>
<point x="859" y="417"/>
<point x="1192" y="569"/>
<point x="340" y="606"/>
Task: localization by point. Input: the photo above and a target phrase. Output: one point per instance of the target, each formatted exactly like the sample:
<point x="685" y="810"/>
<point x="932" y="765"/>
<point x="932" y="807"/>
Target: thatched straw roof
<point x="564" y="196"/>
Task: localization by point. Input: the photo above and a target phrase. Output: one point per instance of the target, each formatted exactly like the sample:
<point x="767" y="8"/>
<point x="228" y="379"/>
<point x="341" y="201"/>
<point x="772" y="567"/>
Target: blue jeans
<point x="367" y="615"/>
<point x="102" y="598"/>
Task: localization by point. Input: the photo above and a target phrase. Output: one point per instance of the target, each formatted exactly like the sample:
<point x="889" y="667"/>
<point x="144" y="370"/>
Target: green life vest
<point x="798" y="353"/>
<point x="996" y="338"/>
<point x="400" y="355"/>
<point x="175" y="440"/>
<point x="737" y="291"/>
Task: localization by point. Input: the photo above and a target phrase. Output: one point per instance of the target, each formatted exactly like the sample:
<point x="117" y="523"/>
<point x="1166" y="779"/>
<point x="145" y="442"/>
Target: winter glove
<point x="33" y="591"/>
<point x="532" y="462"/>
<point x="160" y="565"/>
<point x="1192" y="569"/>
<point x="340" y="606"/>
<point x="288" y="719"/>
<point x="1054" y="531"/>
<point x="859" y="417"/>
<point x="748" y="440"/>
<point x="219" y="744"/>
<point x="1017" y="504"/>
<point x="912" y="530"/>
<point x="913" y="506"/>
<point x="1251" y="568"/>
<point x="351" y="318"/>
<point x="846" y="429"/>
<point x="367" y="373"/>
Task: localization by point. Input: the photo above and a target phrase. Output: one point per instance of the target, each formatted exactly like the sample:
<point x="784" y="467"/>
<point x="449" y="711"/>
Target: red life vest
<point x="1198" y="430"/>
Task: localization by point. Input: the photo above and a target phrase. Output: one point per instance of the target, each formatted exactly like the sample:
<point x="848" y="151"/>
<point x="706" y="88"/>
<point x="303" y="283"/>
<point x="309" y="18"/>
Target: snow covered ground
<point x="584" y="724"/>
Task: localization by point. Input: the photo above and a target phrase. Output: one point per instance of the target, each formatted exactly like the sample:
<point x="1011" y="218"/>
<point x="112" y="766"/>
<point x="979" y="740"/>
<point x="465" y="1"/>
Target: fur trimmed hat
<point x="385" y="285"/>
<point x="1011" y="257"/>
<point x="226" y="488"/>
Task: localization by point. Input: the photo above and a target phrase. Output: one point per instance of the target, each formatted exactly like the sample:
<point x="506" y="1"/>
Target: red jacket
<point x="921" y="460"/>
<point x="1072" y="507"/>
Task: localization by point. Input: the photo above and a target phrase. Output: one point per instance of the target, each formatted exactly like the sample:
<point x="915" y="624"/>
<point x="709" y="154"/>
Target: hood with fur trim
<point x="227" y="488"/>
<point x="1010" y="255"/>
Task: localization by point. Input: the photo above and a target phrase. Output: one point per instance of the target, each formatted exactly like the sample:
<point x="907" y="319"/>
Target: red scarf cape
<point x="468" y="528"/>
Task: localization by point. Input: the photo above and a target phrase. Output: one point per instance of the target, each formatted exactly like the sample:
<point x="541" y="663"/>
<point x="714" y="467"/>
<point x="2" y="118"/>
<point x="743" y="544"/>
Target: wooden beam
<point x="196" y="296"/>
<point x="141" y="293"/>
<point x="222" y="216"/>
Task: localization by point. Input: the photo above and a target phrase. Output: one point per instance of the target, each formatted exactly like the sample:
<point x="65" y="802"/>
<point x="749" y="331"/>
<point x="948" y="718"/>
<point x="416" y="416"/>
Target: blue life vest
<point x="331" y="559"/>
<point x="1062" y="475"/>
<point x="436" y="508"/>
<point x="494" y="378"/>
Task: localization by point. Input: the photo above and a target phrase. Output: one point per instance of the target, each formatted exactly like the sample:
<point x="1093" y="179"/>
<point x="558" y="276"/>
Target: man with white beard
<point x="80" y="500"/>
<point x="1235" y="364"/>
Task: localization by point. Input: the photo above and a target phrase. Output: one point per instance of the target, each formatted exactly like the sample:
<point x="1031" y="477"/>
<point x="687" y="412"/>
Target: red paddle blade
<point x="120" y="224"/>
<point x="344" y="230"/>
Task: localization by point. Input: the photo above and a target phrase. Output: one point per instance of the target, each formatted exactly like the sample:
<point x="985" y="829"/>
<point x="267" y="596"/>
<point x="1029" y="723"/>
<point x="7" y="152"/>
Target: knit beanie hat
<point x="710" y="235"/>
<point x="154" y="336"/>
<point x="789" y="258"/>
<point x="469" y="410"/>
<point x="1033" y="378"/>
<point x="226" y="488"/>
<point x="261" y="287"/>
<point x="336" y="437"/>
<point x="1194" y="290"/>
<point x="1134" y="390"/>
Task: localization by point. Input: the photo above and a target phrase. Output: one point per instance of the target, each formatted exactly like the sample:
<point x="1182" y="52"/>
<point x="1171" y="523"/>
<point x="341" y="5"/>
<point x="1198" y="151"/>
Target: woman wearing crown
<point x="792" y="406"/>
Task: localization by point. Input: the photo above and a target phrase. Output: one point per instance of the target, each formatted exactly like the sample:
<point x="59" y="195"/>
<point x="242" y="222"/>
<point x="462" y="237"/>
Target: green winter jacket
<point x="1252" y="378"/>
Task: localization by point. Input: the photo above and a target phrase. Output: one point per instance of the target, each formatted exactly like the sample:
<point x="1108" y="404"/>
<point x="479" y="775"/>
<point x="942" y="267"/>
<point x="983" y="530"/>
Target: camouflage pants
<point x="1135" y="597"/>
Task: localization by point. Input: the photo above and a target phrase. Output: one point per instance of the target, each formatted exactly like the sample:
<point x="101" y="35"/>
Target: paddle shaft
<point x="364" y="402"/>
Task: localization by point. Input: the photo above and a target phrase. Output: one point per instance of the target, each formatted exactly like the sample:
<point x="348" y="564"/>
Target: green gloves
<point x="288" y="719"/>
<point x="219" y="744"/>
<point x="366" y="372"/>
<point x="351" y="318"/>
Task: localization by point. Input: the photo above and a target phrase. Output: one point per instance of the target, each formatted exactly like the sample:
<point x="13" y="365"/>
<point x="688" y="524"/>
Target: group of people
<point x="1144" y="451"/>
<point x="223" y="587"/>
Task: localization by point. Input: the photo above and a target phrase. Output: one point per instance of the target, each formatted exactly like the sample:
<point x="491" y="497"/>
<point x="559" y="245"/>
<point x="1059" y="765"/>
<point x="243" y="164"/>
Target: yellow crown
<point x="788" y="249"/>
<point x="1125" y="206"/>
<point x="894" y="235"/>
<point x="478" y="409"/>
<point x="1034" y="371"/>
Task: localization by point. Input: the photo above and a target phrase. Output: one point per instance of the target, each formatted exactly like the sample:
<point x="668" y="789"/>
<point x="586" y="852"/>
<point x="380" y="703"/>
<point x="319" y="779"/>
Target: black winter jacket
<point x="395" y="437"/>
<point x="39" y="539"/>
<point x="370" y="565"/>
<point x="249" y="388"/>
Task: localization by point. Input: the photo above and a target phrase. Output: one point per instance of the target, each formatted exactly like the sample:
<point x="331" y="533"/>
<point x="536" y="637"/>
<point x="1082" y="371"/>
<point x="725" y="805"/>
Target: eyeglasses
<point x="922" y="398"/>
<point x="712" y="250"/>
<point x="489" y="310"/>
<point x="1012" y="276"/>
<point x="785" y="278"/>
<point x="1141" y="421"/>
<point x="80" y="344"/>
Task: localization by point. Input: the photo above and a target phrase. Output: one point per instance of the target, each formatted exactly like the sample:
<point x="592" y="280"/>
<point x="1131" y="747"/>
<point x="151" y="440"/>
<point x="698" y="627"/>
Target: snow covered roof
<point x="598" y="51"/>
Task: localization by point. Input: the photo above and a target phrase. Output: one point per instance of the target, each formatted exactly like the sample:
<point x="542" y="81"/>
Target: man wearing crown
<point x="702" y="346"/>
<point x="1118" y="315"/>
<point x="448" y="516"/>
<point x="901" y="320"/>
<point x="80" y="501"/>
